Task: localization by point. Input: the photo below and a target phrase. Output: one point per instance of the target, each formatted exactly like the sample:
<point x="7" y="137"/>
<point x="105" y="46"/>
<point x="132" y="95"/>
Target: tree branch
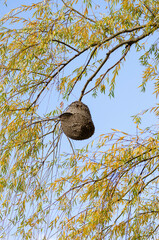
<point x="56" y="73"/>
<point x="74" y="10"/>
<point x="93" y="52"/>
<point x="127" y="50"/>
<point x="148" y="8"/>
<point x="67" y="45"/>
<point x="127" y="42"/>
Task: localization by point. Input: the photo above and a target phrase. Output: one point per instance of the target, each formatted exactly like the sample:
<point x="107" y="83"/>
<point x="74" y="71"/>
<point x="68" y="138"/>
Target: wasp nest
<point x="77" y="122"/>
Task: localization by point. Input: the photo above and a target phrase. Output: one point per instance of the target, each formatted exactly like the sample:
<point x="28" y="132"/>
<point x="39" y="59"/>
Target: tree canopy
<point x="109" y="188"/>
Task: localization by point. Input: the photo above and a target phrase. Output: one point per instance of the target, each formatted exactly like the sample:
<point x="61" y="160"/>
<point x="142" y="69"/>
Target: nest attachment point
<point x="77" y="122"/>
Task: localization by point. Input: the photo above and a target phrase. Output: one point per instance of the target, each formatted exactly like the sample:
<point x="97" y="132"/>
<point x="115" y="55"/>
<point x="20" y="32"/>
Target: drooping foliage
<point x="108" y="189"/>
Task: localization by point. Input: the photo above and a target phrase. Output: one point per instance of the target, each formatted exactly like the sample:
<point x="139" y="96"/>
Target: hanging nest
<point x="77" y="122"/>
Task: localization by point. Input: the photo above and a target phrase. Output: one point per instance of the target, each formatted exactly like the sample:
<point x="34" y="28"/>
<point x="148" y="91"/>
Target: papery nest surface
<point x="77" y="122"/>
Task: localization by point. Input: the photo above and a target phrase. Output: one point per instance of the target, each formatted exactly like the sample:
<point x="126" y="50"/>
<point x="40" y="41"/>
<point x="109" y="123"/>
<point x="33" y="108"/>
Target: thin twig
<point x="93" y="52"/>
<point x="148" y="8"/>
<point x="127" y="49"/>
<point x="94" y="74"/>
<point x="74" y="10"/>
